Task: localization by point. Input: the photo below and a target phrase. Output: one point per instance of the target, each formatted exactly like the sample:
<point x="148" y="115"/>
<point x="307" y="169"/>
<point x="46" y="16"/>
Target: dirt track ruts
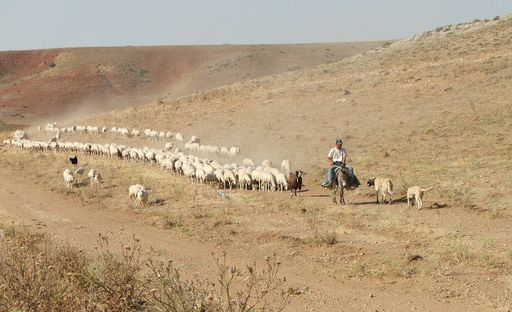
<point x="65" y="219"/>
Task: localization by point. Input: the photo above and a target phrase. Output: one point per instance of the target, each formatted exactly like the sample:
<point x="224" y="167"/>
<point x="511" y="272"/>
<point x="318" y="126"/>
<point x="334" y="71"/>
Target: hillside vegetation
<point x="432" y="110"/>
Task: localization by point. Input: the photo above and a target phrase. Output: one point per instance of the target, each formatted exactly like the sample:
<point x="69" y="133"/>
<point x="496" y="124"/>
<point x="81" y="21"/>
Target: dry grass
<point x="432" y="112"/>
<point x="37" y="275"/>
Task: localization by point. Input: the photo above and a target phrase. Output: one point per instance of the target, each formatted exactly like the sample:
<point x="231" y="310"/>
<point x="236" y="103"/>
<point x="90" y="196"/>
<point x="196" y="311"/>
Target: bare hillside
<point x="43" y="83"/>
<point x="442" y="96"/>
<point x="433" y="110"/>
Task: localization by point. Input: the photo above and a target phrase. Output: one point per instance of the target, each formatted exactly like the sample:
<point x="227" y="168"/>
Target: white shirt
<point x="337" y="154"/>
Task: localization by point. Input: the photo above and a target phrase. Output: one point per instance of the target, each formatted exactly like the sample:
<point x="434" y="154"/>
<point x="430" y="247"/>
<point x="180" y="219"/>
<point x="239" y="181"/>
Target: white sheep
<point x="230" y="178"/>
<point x="266" y="163"/>
<point x="147" y="133"/>
<point x="245" y="180"/>
<point x="122" y="131"/>
<point x="79" y="171"/>
<point x="286" y="166"/>
<point x="142" y="197"/>
<point x="234" y="151"/>
<point x="224" y="151"/>
<point x="92" y="173"/>
<point x="135" y="133"/>
<point x="20" y="135"/>
<point x="247" y="162"/>
<point x="168" y="147"/>
<point x="268" y="181"/>
<point x="96" y="180"/>
<point x="195" y="139"/>
<point x="282" y="181"/>
<point x="200" y="175"/>
<point x="68" y="178"/>
<point x="179" y="137"/>
<point x="153" y="135"/>
<point x="134" y="189"/>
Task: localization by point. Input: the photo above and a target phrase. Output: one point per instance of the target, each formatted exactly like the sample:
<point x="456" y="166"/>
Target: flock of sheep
<point x="202" y="170"/>
<point x="192" y="146"/>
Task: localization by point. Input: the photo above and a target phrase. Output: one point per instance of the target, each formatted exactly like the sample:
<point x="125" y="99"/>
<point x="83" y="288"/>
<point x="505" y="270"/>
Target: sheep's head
<point x="371" y="181"/>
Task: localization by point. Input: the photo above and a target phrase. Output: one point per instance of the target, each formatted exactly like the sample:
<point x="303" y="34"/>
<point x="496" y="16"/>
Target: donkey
<point x="341" y="182"/>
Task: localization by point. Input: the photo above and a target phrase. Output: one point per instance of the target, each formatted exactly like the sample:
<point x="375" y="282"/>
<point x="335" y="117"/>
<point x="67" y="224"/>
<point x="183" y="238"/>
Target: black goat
<point x="73" y="160"/>
<point x="295" y="182"/>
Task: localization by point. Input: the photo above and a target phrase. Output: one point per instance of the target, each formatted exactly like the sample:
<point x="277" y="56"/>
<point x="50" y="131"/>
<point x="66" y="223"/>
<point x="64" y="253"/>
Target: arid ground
<point x="432" y="110"/>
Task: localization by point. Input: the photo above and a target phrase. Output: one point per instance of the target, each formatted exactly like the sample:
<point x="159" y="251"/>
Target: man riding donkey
<point x="337" y="160"/>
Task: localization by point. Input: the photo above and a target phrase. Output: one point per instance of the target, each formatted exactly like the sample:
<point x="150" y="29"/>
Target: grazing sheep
<point x="194" y="139"/>
<point x="135" y="133"/>
<point x="68" y="178"/>
<point x="286" y="166"/>
<point x="267" y="181"/>
<point x="142" y="197"/>
<point x="95" y="181"/>
<point x="230" y="178"/>
<point x="224" y="151"/>
<point x="20" y="135"/>
<point x="153" y="135"/>
<point x="266" y="163"/>
<point x="245" y="181"/>
<point x="295" y="182"/>
<point x="247" y="162"/>
<point x="179" y="137"/>
<point x="91" y="173"/>
<point x="79" y="171"/>
<point x="134" y="189"/>
<point x="234" y="151"/>
<point x="122" y="131"/>
<point x="282" y="182"/>
<point x="200" y="175"/>
<point x="94" y="176"/>
<point x="168" y="147"/>
<point x="114" y="151"/>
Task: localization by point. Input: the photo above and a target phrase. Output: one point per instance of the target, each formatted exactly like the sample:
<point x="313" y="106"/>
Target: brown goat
<point x="295" y="182"/>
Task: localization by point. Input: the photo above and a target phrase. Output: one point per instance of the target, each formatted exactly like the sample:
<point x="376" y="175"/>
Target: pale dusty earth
<point x="432" y="110"/>
<point x="319" y="287"/>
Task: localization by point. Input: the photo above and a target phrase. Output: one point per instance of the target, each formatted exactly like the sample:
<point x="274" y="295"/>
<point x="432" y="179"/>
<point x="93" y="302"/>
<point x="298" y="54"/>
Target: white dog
<point x="416" y="192"/>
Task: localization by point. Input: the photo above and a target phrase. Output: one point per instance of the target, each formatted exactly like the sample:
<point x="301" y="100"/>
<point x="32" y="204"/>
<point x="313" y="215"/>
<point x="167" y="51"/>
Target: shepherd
<point x="337" y="158"/>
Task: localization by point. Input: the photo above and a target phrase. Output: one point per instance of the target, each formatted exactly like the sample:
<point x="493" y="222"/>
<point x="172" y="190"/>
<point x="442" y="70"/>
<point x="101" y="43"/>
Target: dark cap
<point x="339" y="141"/>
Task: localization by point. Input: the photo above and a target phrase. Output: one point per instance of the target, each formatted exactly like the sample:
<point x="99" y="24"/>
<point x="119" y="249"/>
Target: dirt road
<point x="67" y="220"/>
